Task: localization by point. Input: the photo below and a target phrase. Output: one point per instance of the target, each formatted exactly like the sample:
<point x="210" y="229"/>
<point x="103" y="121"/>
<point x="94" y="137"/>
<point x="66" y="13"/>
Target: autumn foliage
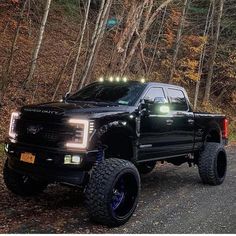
<point x="133" y="47"/>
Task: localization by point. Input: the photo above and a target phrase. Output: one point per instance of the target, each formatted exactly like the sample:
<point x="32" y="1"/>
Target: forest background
<point x="50" y="47"/>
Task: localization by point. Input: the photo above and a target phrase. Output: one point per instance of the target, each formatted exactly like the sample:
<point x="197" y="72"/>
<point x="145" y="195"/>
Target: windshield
<point x="119" y="93"/>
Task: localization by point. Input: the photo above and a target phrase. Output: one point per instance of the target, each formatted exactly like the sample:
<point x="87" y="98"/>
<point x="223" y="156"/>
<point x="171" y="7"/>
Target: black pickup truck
<point x="104" y="136"/>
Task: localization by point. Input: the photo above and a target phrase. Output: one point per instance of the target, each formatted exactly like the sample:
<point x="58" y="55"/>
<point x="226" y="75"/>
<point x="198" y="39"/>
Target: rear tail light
<point x="225" y="132"/>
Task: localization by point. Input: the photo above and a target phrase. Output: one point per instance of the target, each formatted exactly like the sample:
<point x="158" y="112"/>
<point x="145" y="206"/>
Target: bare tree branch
<point x="38" y="45"/>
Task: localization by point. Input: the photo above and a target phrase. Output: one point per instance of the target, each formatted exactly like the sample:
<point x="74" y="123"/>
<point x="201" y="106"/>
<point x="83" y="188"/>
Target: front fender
<point x="118" y="125"/>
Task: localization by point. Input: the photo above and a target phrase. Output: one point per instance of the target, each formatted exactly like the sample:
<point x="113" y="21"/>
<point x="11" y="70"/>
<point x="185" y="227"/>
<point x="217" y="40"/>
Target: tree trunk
<point x="178" y="40"/>
<point x="96" y="39"/>
<point x="157" y="41"/>
<point x="38" y="45"/>
<point x="209" y="19"/>
<point x="224" y="91"/>
<point x="143" y="39"/>
<point x="146" y="26"/>
<point x="132" y="24"/>
<point x="129" y="29"/>
<point x="213" y="54"/>
<point x="5" y="76"/>
<point x="79" y="47"/>
<point x="59" y="77"/>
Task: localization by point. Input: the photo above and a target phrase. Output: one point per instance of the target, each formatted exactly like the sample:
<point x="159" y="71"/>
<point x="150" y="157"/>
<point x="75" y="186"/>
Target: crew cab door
<point x="154" y="130"/>
<point x="181" y="136"/>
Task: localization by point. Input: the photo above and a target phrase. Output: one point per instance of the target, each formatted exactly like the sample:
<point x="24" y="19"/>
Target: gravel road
<point x="173" y="200"/>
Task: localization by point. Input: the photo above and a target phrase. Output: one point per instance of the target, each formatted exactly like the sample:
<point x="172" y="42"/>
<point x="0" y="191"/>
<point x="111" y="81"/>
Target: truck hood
<point x="85" y="109"/>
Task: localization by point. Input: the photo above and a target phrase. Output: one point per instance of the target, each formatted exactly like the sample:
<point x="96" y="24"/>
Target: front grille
<point x="48" y="134"/>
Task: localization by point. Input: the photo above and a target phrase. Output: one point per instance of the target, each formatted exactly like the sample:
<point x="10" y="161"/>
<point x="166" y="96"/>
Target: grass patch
<point x="232" y="131"/>
<point x="2" y="157"/>
<point x="1" y="149"/>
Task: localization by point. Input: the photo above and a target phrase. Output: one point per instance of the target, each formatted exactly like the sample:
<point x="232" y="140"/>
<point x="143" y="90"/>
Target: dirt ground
<point x="173" y="200"/>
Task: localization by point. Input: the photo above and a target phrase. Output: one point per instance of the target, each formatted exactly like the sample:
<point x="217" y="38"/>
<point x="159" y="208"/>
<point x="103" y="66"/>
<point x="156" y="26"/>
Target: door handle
<point x="169" y="122"/>
<point x="190" y="121"/>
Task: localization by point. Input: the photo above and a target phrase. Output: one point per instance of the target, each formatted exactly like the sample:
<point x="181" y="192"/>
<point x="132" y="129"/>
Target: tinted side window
<point x="155" y="92"/>
<point x="178" y="100"/>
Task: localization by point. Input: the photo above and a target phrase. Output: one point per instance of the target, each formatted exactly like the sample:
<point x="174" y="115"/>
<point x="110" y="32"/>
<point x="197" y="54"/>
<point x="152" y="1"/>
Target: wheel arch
<point x="213" y="133"/>
<point x="119" y="143"/>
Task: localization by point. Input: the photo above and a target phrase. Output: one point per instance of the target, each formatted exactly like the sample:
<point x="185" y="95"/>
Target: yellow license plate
<point x="27" y="157"/>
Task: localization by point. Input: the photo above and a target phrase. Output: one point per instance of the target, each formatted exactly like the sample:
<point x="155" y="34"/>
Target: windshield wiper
<point x="93" y="101"/>
<point x="105" y="102"/>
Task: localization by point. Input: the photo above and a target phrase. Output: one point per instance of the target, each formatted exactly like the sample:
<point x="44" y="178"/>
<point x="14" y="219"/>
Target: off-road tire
<point x="20" y="184"/>
<point x="147" y="167"/>
<point x="99" y="191"/>
<point x="212" y="164"/>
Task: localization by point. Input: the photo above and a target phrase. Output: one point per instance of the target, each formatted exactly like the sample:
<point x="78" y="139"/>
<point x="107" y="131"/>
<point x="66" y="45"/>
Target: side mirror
<point x="144" y="106"/>
<point x="158" y="105"/>
<point x="148" y="100"/>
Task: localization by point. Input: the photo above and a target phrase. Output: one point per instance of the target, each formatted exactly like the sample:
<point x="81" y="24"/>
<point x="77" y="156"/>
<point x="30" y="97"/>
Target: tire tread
<point x="206" y="163"/>
<point x="101" y="180"/>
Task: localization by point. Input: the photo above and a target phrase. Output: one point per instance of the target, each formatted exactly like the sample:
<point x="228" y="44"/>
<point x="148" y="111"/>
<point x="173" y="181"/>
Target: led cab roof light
<point x="125" y="79"/>
<point x="113" y="79"/>
<point x="143" y="80"/>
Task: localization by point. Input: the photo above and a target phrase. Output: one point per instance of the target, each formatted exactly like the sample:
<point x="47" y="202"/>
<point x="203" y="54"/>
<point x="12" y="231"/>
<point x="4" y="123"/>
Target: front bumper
<point x="49" y="164"/>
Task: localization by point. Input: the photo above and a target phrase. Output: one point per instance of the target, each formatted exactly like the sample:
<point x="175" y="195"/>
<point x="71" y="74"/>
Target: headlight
<point x="80" y="140"/>
<point x="12" y="129"/>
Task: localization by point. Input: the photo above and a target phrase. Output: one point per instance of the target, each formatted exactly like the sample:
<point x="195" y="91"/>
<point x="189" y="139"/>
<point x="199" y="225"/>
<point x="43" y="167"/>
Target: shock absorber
<point x="100" y="154"/>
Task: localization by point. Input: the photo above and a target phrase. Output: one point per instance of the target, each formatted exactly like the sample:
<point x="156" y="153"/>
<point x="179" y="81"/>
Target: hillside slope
<point x="62" y="29"/>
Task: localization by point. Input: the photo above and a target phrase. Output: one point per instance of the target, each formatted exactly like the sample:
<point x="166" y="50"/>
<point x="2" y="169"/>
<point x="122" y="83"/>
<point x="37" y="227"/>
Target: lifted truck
<point x="102" y="137"/>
